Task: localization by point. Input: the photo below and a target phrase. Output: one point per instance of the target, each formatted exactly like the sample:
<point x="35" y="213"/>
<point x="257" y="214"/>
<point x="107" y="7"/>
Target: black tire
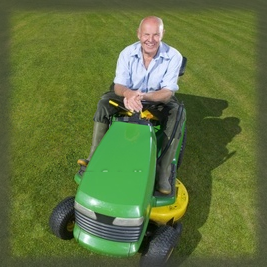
<point x="181" y="154"/>
<point x="62" y="219"/>
<point x="160" y="247"/>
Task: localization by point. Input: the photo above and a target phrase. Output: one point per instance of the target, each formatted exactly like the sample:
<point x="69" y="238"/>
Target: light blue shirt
<point x="162" y="72"/>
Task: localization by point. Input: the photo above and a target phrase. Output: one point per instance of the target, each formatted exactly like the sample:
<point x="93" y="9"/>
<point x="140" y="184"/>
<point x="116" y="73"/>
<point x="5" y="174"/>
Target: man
<point x="146" y="70"/>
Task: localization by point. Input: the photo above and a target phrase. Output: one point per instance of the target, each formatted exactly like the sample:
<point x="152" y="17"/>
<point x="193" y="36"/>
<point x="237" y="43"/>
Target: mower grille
<point x="108" y="230"/>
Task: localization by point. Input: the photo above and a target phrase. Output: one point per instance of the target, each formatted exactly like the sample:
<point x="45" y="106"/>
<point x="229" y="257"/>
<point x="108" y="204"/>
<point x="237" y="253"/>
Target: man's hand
<point x="132" y="100"/>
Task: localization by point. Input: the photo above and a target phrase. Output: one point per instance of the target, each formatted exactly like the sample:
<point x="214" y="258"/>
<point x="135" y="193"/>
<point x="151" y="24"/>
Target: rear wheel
<point x="62" y="219"/>
<point x="160" y="247"/>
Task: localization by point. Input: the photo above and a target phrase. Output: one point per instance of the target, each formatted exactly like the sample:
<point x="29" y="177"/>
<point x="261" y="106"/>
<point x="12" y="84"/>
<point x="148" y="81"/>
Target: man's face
<point x="150" y="34"/>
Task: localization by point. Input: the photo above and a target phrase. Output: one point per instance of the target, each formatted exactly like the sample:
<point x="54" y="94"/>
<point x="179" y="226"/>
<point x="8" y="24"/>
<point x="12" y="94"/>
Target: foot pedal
<point x="82" y="170"/>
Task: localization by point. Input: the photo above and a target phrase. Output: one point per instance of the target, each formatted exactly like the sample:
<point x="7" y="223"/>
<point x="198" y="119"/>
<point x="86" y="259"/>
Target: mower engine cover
<point x="114" y="197"/>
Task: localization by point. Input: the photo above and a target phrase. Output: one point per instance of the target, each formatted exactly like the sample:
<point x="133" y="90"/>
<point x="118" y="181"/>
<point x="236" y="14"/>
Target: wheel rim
<point x="70" y="225"/>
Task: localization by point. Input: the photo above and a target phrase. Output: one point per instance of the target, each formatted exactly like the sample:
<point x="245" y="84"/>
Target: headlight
<point x="128" y="221"/>
<point x="87" y="212"/>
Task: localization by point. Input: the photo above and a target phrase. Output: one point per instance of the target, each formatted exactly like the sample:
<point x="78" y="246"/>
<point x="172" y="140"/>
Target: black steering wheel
<point x="150" y="104"/>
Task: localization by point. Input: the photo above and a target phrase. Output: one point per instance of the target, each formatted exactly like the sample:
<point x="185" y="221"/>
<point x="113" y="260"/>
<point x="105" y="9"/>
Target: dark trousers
<point x="166" y="113"/>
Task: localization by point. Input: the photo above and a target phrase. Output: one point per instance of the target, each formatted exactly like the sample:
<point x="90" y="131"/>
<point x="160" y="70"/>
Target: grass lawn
<point x="62" y="62"/>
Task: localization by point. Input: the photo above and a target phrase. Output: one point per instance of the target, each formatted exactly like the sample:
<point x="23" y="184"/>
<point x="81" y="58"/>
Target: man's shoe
<point x="164" y="187"/>
<point x="83" y="162"/>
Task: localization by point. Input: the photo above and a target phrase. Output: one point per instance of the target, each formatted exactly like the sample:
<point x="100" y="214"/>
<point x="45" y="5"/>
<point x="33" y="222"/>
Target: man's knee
<point x="104" y="109"/>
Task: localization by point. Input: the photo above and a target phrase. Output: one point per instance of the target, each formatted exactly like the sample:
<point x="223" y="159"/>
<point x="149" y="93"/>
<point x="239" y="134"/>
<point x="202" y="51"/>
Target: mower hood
<point x="119" y="179"/>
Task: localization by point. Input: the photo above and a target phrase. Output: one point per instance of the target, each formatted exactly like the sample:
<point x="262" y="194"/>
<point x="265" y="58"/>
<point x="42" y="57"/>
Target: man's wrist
<point x="125" y="92"/>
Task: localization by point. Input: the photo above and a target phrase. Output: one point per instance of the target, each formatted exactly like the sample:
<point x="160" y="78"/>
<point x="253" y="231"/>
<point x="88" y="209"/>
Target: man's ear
<point x="138" y="34"/>
<point x="163" y="32"/>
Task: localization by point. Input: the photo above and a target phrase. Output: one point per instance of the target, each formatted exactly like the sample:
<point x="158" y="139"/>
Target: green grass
<point x="62" y="62"/>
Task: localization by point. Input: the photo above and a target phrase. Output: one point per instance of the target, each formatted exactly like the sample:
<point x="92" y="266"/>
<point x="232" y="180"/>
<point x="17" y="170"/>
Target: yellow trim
<point x="113" y="103"/>
<point x="148" y="115"/>
<point x="174" y="212"/>
<point x="126" y="113"/>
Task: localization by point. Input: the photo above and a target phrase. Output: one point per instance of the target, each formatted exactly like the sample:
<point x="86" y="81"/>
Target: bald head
<point x="152" y="20"/>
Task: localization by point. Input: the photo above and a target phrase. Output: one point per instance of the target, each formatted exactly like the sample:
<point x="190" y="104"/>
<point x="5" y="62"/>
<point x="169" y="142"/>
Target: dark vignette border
<point x="6" y="7"/>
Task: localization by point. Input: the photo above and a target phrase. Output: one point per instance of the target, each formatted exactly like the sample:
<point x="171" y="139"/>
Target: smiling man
<point x="146" y="70"/>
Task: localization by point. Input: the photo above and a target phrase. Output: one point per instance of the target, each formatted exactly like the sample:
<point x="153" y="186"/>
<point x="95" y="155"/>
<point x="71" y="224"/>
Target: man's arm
<point x="132" y="98"/>
<point x="122" y="90"/>
<point x="162" y="95"/>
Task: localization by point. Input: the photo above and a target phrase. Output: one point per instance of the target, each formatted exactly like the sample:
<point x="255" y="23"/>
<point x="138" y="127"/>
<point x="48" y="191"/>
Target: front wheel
<point x="160" y="247"/>
<point x="62" y="219"/>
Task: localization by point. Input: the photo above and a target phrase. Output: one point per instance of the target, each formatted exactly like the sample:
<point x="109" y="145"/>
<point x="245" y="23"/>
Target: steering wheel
<point x="147" y="104"/>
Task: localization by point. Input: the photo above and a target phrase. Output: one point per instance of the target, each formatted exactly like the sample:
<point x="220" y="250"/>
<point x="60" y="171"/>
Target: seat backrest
<point x="182" y="69"/>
